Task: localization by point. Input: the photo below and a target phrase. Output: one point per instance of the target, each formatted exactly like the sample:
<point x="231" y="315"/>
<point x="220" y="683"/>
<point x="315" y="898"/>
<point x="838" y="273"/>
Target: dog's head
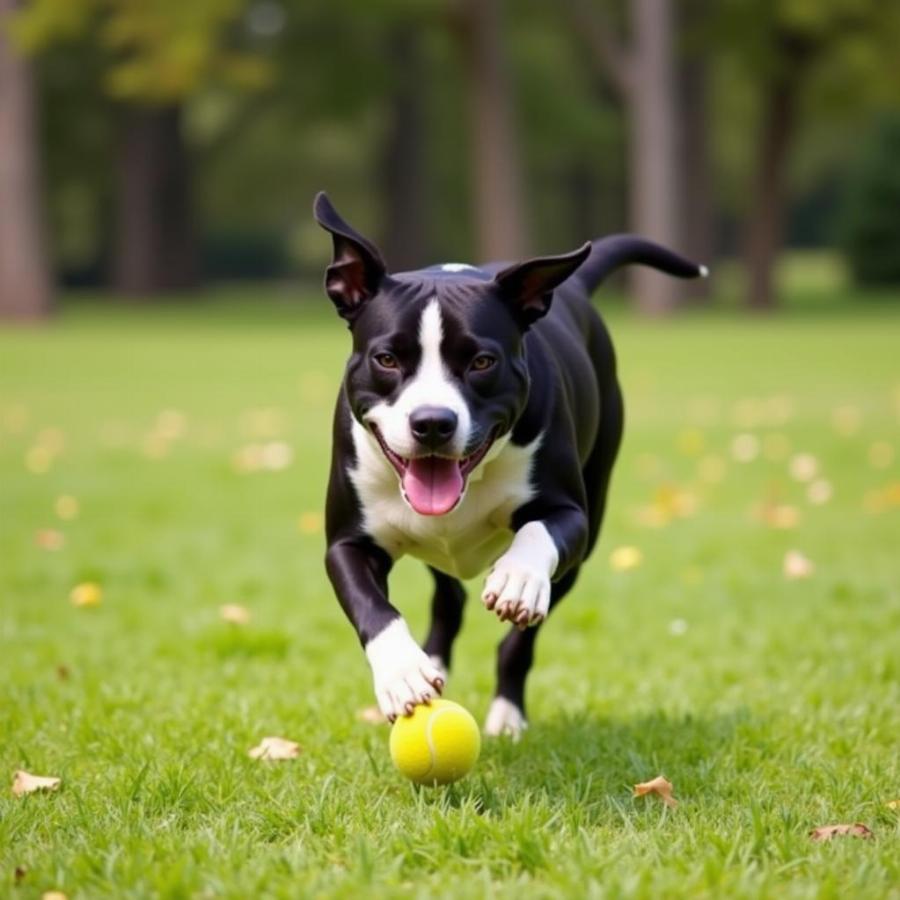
<point x="437" y="373"/>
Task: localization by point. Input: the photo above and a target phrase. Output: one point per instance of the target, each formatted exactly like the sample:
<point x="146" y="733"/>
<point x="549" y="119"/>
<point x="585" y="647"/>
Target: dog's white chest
<point x="465" y="541"/>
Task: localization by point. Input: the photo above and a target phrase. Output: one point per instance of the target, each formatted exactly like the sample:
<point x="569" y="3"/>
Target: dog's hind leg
<point x="514" y="658"/>
<point x="446" y="618"/>
<point x="597" y="470"/>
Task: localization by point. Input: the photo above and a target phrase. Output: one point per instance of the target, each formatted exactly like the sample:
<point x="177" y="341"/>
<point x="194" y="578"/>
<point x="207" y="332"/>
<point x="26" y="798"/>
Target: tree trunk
<point x="404" y="161"/>
<point x="654" y="149"/>
<point x="766" y="220"/>
<point x="695" y="157"/>
<point x="499" y="205"/>
<point x="25" y="282"/>
<point x="155" y="247"/>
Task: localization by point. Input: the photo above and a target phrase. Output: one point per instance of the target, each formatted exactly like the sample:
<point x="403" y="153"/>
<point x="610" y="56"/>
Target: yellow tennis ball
<point x="437" y="744"/>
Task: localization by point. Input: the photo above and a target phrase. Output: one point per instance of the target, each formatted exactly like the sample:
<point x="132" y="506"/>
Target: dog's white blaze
<point x="456" y="267"/>
<point x="465" y="541"/>
<point x="431" y="385"/>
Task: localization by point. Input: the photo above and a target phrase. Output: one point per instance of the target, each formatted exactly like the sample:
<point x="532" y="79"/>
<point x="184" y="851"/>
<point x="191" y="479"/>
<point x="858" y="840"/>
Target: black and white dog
<point x="476" y="427"/>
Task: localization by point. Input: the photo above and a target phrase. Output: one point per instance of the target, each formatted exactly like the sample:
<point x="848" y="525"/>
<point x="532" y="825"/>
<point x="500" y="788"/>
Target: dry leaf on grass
<point x="50" y="539"/>
<point x="624" y="559"/>
<point x="53" y="895"/>
<point x="310" y="523"/>
<point x="893" y="804"/>
<point x="658" y="786"/>
<point x="26" y="783"/>
<point x="827" y="832"/>
<point x="88" y="593"/>
<point x="371" y="714"/>
<point x="234" y="614"/>
<point x="796" y="565"/>
<point x="275" y="748"/>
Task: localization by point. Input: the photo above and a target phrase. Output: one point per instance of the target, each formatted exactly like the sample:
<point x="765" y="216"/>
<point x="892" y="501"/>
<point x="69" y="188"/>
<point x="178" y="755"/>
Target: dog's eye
<point x="386" y="360"/>
<point x="483" y="362"/>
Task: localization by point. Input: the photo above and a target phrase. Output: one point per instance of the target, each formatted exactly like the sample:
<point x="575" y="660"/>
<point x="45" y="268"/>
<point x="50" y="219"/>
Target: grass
<point x="772" y="705"/>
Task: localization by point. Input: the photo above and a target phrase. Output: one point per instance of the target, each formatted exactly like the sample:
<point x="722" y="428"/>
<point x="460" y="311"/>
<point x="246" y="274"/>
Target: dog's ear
<point x="527" y="288"/>
<point x="356" y="269"/>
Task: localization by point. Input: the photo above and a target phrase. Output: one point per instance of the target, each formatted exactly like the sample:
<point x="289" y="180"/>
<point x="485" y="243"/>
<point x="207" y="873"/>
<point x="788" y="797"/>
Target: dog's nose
<point x="433" y="425"/>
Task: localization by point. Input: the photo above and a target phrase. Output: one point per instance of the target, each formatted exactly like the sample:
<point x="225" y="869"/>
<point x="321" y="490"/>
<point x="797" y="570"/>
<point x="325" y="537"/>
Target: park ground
<point x="177" y="458"/>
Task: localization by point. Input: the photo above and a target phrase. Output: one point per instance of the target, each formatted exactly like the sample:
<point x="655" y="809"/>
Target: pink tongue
<point x="433" y="485"/>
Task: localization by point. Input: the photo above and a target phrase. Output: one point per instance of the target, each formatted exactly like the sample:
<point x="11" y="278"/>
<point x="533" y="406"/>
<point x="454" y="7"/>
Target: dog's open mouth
<point x="432" y="484"/>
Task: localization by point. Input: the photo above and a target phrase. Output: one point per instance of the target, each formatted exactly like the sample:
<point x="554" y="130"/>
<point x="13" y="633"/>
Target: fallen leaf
<point x="276" y="455"/>
<point x="623" y="559"/>
<point x="778" y="515"/>
<point x="19" y="873"/>
<point x="67" y="507"/>
<point x="310" y="523"/>
<point x="691" y="441"/>
<point x="39" y="459"/>
<point x="796" y="565"/>
<point x="372" y="715"/>
<point x="803" y="467"/>
<point x="50" y="539"/>
<point x="827" y="832"/>
<point x="275" y="748"/>
<point x="88" y="593"/>
<point x="893" y="804"/>
<point x="53" y="895"/>
<point x="25" y="783"/>
<point x="234" y="614"/>
<point x="658" y="786"/>
<point x="745" y="448"/>
<point x="819" y="492"/>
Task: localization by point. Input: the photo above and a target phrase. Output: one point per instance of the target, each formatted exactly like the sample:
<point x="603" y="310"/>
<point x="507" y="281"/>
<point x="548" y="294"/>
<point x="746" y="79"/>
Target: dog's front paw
<point x="404" y="676"/>
<point x="518" y="590"/>
<point x="505" y="718"/>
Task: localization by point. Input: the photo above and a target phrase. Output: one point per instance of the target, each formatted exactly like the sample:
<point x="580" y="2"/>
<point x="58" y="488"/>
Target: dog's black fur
<point x="554" y="376"/>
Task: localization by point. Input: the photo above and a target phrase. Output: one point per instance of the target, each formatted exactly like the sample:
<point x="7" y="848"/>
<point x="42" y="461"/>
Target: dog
<point x="475" y="429"/>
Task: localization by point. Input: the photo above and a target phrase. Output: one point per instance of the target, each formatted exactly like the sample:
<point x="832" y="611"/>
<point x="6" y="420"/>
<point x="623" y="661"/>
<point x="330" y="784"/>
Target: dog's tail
<point x="611" y="253"/>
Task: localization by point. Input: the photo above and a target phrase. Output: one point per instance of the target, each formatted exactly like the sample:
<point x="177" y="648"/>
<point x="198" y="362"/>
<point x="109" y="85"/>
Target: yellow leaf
<point x="827" y="832"/>
<point x="372" y="715"/>
<point x="26" y="783"/>
<point x="234" y="614"/>
<point x="88" y="593"/>
<point x="623" y="559"/>
<point x="659" y="786"/>
<point x="796" y="565"/>
<point x="275" y="748"/>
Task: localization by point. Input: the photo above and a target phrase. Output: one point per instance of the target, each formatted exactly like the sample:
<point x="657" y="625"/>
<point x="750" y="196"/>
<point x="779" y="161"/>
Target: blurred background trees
<point x="162" y="144"/>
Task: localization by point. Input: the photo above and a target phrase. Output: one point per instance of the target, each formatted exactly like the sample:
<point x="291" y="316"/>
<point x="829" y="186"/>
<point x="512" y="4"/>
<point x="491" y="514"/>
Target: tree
<point x="695" y="157"/>
<point x="794" y="51"/>
<point x="25" y="288"/>
<point x="158" y="54"/>
<point x="497" y="177"/>
<point x="404" y="173"/>
<point x="642" y="70"/>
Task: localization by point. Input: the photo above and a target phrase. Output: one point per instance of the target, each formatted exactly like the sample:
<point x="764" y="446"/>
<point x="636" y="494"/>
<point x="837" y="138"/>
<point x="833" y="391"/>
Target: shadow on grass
<point x="593" y="763"/>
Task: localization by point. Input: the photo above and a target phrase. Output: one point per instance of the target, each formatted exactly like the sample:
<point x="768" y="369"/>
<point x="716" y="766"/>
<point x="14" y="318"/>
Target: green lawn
<point x="773" y="705"/>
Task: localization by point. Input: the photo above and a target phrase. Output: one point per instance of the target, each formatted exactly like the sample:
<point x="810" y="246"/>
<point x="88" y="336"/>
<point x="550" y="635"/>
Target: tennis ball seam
<point x="429" y="739"/>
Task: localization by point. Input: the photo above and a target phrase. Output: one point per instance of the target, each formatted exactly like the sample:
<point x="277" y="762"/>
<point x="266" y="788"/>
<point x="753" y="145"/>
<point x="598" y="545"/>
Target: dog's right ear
<point x="356" y="269"/>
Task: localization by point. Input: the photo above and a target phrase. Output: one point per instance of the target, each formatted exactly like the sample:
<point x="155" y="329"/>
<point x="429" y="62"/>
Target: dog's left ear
<point x="527" y="288"/>
<point x="356" y="269"/>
